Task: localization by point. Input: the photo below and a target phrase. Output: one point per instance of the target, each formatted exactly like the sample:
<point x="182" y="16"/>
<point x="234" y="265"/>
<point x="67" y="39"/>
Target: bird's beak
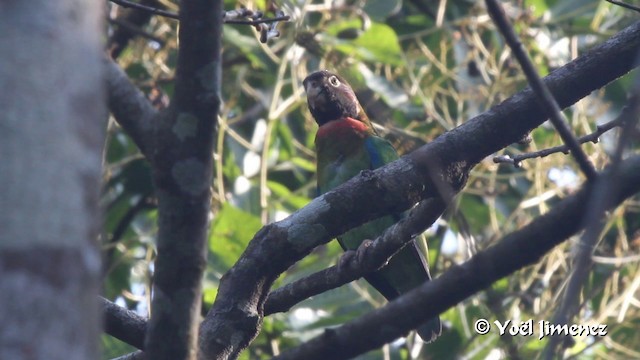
<point x="312" y="88"/>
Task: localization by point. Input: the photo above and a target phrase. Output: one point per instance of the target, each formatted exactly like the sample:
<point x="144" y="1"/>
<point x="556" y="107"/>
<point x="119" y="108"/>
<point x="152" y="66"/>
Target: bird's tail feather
<point x="430" y="330"/>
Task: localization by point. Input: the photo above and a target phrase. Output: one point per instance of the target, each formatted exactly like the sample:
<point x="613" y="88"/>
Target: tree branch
<point x="183" y="169"/>
<point x="624" y="5"/>
<point x="595" y="220"/>
<point x="130" y="107"/>
<point x="372" y="258"/>
<point x="544" y="95"/>
<point x="123" y="324"/>
<point x="229" y="17"/>
<point x="120" y="229"/>
<point x="515" y="251"/>
<point x="146" y="8"/>
<point x="136" y="355"/>
<point x="594" y="137"/>
<point x="129" y="25"/>
<point x="236" y="315"/>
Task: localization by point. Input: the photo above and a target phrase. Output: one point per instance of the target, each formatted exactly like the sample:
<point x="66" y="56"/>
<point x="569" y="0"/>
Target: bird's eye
<point x="333" y="80"/>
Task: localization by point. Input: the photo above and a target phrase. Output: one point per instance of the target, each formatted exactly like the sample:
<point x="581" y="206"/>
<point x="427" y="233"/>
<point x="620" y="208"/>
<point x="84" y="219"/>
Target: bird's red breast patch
<point x="343" y="127"/>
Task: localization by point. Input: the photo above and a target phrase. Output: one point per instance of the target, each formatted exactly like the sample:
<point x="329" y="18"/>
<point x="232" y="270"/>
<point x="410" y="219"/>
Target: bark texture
<point x="51" y="135"/>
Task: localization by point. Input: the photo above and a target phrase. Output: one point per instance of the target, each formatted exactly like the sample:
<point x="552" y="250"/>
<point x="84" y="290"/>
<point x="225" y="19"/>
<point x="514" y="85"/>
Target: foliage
<point x="418" y="75"/>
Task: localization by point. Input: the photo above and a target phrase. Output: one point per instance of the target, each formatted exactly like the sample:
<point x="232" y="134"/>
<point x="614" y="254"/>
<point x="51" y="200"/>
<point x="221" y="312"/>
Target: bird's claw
<point x="356" y="255"/>
<point x="346" y="259"/>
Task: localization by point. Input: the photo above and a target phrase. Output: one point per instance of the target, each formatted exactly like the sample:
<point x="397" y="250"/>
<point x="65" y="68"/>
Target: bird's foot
<point x="352" y="257"/>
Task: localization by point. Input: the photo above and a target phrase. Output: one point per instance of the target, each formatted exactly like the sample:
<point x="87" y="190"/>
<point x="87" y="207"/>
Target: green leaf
<point x="336" y="28"/>
<point x="231" y="231"/>
<point x="573" y="9"/>
<point x="283" y="193"/>
<point x="538" y="6"/>
<point x="304" y="164"/>
<point x="379" y="43"/>
<point x="137" y="71"/>
<point x="248" y="45"/>
<point x="112" y="347"/>
<point x="476" y="212"/>
<point x="380" y="10"/>
<point x="284" y="134"/>
<point x="390" y="92"/>
<point x="209" y="295"/>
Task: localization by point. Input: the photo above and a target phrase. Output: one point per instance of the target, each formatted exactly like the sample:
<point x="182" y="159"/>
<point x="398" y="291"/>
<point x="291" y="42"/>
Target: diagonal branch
<point x="515" y="251"/>
<point x="604" y="189"/>
<point x="625" y="5"/>
<point x="371" y="259"/>
<point x="130" y="107"/>
<point x="236" y="315"/>
<point x="123" y="324"/>
<point x="544" y="95"/>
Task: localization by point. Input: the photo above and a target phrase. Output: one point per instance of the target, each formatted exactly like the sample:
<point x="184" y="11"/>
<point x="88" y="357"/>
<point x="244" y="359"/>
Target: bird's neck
<point x="344" y="128"/>
<point x="341" y="138"/>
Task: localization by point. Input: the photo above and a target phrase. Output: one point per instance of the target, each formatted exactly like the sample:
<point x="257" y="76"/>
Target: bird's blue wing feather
<point x="380" y="151"/>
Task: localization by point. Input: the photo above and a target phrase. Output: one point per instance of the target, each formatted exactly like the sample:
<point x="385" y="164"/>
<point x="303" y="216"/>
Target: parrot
<point x="346" y="144"/>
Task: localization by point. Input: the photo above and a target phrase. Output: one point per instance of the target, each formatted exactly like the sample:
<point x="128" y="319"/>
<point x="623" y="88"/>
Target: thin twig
<point x="593" y="137"/>
<point x="257" y="21"/>
<point x="121" y="228"/>
<point x="156" y="11"/>
<point x="136" y="30"/>
<point x="172" y="15"/>
<point x="544" y="95"/>
<point x="624" y="5"/>
<point x="604" y="191"/>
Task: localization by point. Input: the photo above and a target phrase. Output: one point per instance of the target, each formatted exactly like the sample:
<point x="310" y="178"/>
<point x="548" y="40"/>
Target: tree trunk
<point x="51" y="133"/>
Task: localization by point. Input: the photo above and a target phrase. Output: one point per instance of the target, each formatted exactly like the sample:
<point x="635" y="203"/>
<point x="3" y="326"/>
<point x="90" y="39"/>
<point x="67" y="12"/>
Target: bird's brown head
<point x="331" y="98"/>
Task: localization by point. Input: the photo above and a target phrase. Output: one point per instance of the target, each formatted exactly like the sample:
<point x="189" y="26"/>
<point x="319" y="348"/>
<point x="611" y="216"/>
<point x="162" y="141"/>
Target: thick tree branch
<point x="183" y="168"/>
<point x="123" y="324"/>
<point x="517" y="250"/>
<point x="367" y="260"/>
<point x="544" y="95"/>
<point x="236" y="315"/>
<point x="129" y="327"/>
<point x="130" y="107"/>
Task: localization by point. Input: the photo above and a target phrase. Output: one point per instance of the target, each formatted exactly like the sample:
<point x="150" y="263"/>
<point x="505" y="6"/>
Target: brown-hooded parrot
<point x="346" y="143"/>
